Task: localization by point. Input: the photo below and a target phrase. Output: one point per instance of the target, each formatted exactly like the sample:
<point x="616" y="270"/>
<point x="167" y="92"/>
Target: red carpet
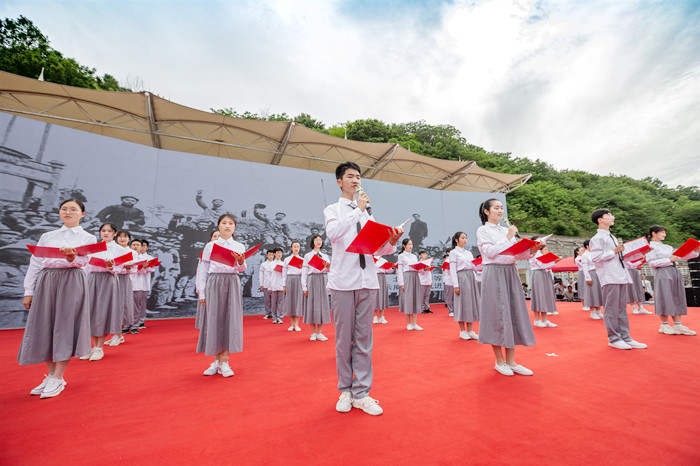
<point x="146" y="402"/>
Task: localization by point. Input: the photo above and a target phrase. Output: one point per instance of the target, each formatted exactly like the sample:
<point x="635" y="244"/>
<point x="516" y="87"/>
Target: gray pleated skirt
<point x="542" y="298"/>
<point x="125" y="299"/>
<point x="199" y="315"/>
<point x="466" y="305"/>
<point x="105" y="317"/>
<point x="635" y="290"/>
<point x="58" y="325"/>
<point x="316" y="308"/>
<point x="382" y="293"/>
<point x="222" y="317"/>
<point x="294" y="298"/>
<point x="669" y="292"/>
<point x="594" y="293"/>
<point x="581" y="286"/>
<point x="504" y="317"/>
<point x="412" y="297"/>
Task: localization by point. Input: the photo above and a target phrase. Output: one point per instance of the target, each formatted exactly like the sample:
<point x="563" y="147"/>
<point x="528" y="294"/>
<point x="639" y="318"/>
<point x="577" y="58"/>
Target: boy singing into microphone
<point x="606" y="254"/>
<point x="353" y="283"/>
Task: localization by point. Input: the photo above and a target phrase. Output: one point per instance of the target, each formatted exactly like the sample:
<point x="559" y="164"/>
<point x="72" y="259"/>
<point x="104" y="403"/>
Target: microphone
<point x="359" y="191"/>
<point x="508" y="224"/>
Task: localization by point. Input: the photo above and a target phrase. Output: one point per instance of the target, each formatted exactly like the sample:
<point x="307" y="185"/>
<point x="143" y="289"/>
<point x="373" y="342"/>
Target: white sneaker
<point x="87" y="356"/>
<point x="668" y="330"/>
<point x="114" y="341"/>
<point x="321" y="337"/>
<point x="213" y="368"/>
<point x="555" y="313"/>
<point x="451" y="314"/>
<point x="596" y="316"/>
<point x="344" y="403"/>
<point x="290" y="329"/>
<point x="97" y="354"/>
<point x="683" y="330"/>
<point x="313" y="337"/>
<point x="297" y="329"/>
<point x="503" y="369"/>
<point x="549" y="324"/>
<point x="619" y="344"/>
<point x="368" y="405"/>
<point x="522" y="370"/>
<point x="636" y="311"/>
<point x="53" y="387"/>
<point x="40" y="388"/>
<point x="464" y="335"/>
<point x="382" y="320"/>
<point x="586" y="308"/>
<point x="375" y="320"/>
<point x="225" y="369"/>
<point x="636" y="345"/>
<point x="644" y="311"/>
<point x="416" y="327"/>
<point x="409" y="327"/>
<point x="538" y="323"/>
<point x="473" y="334"/>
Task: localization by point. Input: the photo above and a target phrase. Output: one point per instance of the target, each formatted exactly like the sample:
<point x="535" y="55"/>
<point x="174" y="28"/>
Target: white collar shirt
<point x="406" y="260"/>
<point x="492" y="240"/>
<point x="208" y="266"/>
<point x="608" y="266"/>
<point x="307" y="269"/>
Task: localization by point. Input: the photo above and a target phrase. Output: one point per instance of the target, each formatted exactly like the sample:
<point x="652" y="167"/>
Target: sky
<point x="608" y="87"/>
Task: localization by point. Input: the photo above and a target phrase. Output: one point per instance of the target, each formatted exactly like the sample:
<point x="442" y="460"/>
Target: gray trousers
<point x="615" y="317"/>
<point x="426" y="296"/>
<point x="268" y="302"/>
<point x="140" y="300"/>
<point x="449" y="296"/>
<point x="277" y="304"/>
<point x="352" y="316"/>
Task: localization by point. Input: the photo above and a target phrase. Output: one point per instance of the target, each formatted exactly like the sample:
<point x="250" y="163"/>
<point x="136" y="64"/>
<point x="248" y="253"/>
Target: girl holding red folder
<point x="221" y="297"/>
<point x="313" y="282"/>
<point x="466" y="291"/>
<point x="125" y="295"/>
<point x="383" y="292"/>
<point x="669" y="291"/>
<point x="411" y="296"/>
<point x="105" y="315"/>
<point x="504" y="317"/>
<point x="199" y="313"/>
<point x="56" y="296"/>
<point x="293" y="294"/>
<point x="543" y="302"/>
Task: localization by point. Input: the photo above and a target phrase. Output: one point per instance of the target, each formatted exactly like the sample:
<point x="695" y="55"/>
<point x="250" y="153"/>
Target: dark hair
<point x="534" y="238"/>
<point x="313" y="238"/>
<point x="655" y="229"/>
<point x="422" y="252"/>
<point x="143" y="241"/>
<point x="270" y="251"/>
<point x="135" y="240"/>
<point x="80" y="204"/>
<point x="278" y="249"/>
<point x="586" y="243"/>
<point x="404" y="243"/>
<point x="223" y="216"/>
<point x="212" y="234"/>
<point x="123" y="233"/>
<point x="486" y="205"/>
<point x="576" y="251"/>
<point x="111" y="225"/>
<point x="455" y="238"/>
<point x="343" y="167"/>
<point x="293" y="242"/>
<point x="598" y="213"/>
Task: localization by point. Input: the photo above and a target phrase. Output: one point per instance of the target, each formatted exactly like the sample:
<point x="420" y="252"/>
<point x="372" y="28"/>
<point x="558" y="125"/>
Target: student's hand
<point x="306" y="293"/>
<point x="395" y="235"/>
<point x="537" y="247"/>
<point x="619" y="249"/>
<point x="240" y="258"/>
<point x="512" y="230"/>
<point x="69" y="253"/>
<point x="261" y="288"/>
<point x="557" y="260"/>
<point x="203" y="302"/>
<point x="589" y="282"/>
<point x="109" y="263"/>
<point x="403" y="288"/>
<point x="27" y="302"/>
<point x="673" y="258"/>
<point x="362" y="201"/>
<point x="457" y="291"/>
<point x="284" y="290"/>
<point x="328" y="265"/>
<point x="127" y="266"/>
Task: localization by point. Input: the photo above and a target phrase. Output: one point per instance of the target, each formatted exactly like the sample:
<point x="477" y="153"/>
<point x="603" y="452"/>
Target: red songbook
<point x="375" y="259"/>
<point x="429" y="269"/>
<point x="317" y="263"/>
<point x="222" y="255"/>
<point x="44" y="251"/>
<point x="97" y="262"/>
<point x="686" y="248"/>
<point x="252" y="251"/>
<point x="91" y="249"/>
<point x="279" y="268"/>
<point x="637" y="246"/>
<point x="296" y="262"/>
<point x="424" y="264"/>
<point x="445" y="266"/>
<point x="547" y="258"/>
<point x="139" y="264"/>
<point x="372" y="237"/>
<point x="153" y="263"/>
<point x="477" y="261"/>
<point x="129" y="256"/>
<point x="519" y="247"/>
<point x="387" y="265"/>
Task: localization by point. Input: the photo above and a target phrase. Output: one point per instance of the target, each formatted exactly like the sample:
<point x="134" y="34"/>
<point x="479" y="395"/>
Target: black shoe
<point x="134" y="330"/>
<point x="427" y="311"/>
<point x="142" y="326"/>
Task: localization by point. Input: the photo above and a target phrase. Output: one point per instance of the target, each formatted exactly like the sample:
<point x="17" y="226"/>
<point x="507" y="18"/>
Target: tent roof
<point x="147" y="119"/>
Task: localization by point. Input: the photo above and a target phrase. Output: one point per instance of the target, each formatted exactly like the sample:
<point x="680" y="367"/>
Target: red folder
<point x="429" y="269"/>
<point x="97" y="262"/>
<point x="139" y="264"/>
<point x="317" y="263"/>
<point x="547" y="258"/>
<point x="519" y="247"/>
<point x="372" y="237"/>
<point x="637" y="246"/>
<point x="477" y="261"/>
<point x="445" y="266"/>
<point x="296" y="262"/>
<point x="419" y="266"/>
<point x="91" y="248"/>
<point x="44" y="251"/>
<point x="153" y="263"/>
<point x="252" y="251"/>
<point x="222" y="255"/>
<point x="279" y="268"/>
<point x="129" y="256"/>
<point x="387" y="266"/>
<point x="686" y="248"/>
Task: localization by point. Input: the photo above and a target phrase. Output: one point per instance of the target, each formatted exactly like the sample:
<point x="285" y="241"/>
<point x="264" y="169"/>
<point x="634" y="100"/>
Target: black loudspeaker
<point x="692" y="295"/>
<point x="694" y="264"/>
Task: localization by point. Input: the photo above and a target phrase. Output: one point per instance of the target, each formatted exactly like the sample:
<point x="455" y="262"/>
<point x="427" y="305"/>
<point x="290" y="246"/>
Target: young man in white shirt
<point x="606" y="254"/>
<point x="353" y="284"/>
